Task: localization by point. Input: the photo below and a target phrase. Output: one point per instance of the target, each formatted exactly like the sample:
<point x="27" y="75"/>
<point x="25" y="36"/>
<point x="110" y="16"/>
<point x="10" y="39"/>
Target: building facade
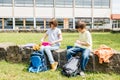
<point x="35" y="14"/>
<point x="115" y="21"/>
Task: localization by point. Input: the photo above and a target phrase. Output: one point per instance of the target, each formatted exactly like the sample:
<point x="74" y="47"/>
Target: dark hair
<point x="80" y="24"/>
<point x="54" y="22"/>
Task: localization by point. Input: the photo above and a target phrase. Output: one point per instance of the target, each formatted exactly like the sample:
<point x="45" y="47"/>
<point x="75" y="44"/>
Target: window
<point x="100" y="22"/>
<point x="22" y="3"/>
<point x="64" y="3"/>
<point x="60" y="23"/>
<point x="70" y="23"/>
<point x="47" y="23"/>
<point x="106" y="20"/>
<point x="116" y="24"/>
<point x="19" y="22"/>
<point x="44" y="3"/>
<point x="115" y="21"/>
<point x="5" y="2"/>
<point x="8" y="23"/>
<point x="40" y="23"/>
<point x="0" y="23"/>
<point x="106" y="3"/>
<point x="102" y="3"/>
<point x="83" y="3"/>
<point x="29" y="23"/>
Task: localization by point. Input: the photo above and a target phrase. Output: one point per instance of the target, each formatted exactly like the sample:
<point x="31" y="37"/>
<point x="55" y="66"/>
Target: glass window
<point x="118" y="23"/>
<point x="64" y="3"/>
<point x="100" y="22"/>
<point x="24" y="3"/>
<point x="102" y="3"/>
<point x="106" y="21"/>
<point x="106" y="3"/>
<point x="70" y="23"/>
<point x="29" y="23"/>
<point x="47" y="23"/>
<point x="97" y="3"/>
<point x="114" y="24"/>
<point x="19" y="23"/>
<point x="83" y="3"/>
<point x="114" y="21"/>
<point x="8" y="23"/>
<point x="5" y="2"/>
<point x="44" y="3"/>
<point x="40" y="23"/>
<point x="60" y="22"/>
<point x="0" y="23"/>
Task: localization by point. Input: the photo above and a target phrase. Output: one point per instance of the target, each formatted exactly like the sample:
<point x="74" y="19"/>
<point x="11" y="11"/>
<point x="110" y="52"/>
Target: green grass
<point x="109" y="39"/>
<point x="13" y="71"/>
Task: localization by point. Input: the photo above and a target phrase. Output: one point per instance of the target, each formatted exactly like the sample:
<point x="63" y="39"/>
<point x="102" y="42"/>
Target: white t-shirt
<point x="53" y="35"/>
<point x="85" y="37"/>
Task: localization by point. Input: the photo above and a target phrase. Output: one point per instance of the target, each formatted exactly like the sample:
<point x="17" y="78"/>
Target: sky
<point x="116" y="6"/>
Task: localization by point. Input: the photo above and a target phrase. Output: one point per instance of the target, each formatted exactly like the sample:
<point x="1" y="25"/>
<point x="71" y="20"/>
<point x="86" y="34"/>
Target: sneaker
<point x="54" y="66"/>
<point x="82" y="74"/>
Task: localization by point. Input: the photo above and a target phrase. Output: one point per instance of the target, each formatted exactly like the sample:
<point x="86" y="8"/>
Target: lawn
<point x="10" y="71"/>
<point x="109" y="39"/>
<point x="14" y="71"/>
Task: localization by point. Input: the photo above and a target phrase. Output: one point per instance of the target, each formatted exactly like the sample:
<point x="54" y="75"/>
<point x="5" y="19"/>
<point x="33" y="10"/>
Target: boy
<point x="54" y="38"/>
<point x="83" y="45"/>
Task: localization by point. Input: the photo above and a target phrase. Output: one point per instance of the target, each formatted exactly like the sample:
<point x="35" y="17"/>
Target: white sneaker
<point x="82" y="74"/>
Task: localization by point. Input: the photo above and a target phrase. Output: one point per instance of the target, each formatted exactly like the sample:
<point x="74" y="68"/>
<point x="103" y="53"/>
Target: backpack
<point x="71" y="68"/>
<point x="37" y="62"/>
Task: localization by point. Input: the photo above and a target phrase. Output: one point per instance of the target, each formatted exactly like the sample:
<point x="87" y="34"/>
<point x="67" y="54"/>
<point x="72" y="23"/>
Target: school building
<point x="115" y="21"/>
<point x="35" y="14"/>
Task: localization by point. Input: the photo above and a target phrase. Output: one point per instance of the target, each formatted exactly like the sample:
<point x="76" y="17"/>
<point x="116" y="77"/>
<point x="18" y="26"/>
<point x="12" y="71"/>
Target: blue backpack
<point x="37" y="62"/>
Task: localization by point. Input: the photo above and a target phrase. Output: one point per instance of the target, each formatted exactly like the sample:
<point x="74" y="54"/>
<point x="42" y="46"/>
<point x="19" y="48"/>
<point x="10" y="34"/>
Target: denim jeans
<point x="85" y="55"/>
<point x="47" y="50"/>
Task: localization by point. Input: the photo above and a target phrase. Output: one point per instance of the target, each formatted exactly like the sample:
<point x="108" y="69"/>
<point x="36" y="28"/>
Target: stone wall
<point x="93" y="64"/>
<point x="14" y="53"/>
<point x="43" y="31"/>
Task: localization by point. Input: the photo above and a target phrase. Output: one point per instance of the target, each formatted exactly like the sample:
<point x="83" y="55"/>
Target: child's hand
<point x="77" y="41"/>
<point x="42" y="40"/>
<point x="52" y="43"/>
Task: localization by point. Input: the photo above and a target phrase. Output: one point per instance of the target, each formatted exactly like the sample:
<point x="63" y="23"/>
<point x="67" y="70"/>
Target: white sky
<point x="116" y="6"/>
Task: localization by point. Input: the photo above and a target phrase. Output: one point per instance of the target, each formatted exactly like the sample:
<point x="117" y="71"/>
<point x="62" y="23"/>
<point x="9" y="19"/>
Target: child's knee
<point x="68" y="51"/>
<point x="47" y="48"/>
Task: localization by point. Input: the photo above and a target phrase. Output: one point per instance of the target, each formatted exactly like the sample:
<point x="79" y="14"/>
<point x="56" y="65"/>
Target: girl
<point x="54" y="38"/>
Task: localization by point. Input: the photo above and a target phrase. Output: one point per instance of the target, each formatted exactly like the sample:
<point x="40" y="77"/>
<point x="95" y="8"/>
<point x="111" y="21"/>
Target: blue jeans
<point x="85" y="55"/>
<point x="47" y="50"/>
